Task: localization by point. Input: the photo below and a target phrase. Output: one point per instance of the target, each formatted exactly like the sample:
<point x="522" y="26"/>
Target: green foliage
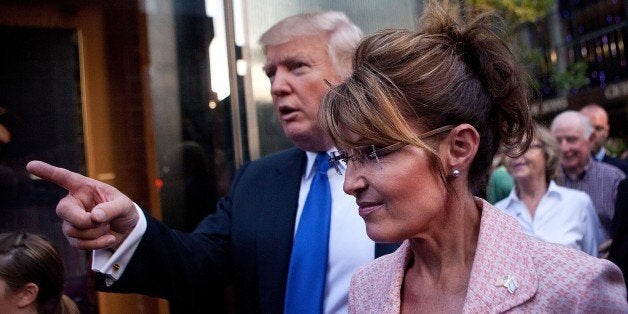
<point x="532" y="59"/>
<point x="574" y="77"/>
<point x="519" y="13"/>
<point x="516" y="12"/>
<point x="615" y="146"/>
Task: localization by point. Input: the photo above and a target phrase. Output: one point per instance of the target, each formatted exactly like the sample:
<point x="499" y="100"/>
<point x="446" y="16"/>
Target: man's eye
<point x="298" y="67"/>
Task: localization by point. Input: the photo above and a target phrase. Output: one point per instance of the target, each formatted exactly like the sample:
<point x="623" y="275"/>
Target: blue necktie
<point x="308" y="263"/>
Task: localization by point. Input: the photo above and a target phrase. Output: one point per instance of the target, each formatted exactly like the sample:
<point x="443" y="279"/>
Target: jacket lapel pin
<point x="507" y="282"/>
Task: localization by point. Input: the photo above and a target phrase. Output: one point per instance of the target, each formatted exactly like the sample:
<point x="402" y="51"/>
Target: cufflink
<point x="116" y="267"/>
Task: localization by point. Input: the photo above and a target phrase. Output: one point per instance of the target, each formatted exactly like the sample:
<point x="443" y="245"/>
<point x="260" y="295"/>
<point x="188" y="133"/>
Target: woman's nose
<point x="354" y="181"/>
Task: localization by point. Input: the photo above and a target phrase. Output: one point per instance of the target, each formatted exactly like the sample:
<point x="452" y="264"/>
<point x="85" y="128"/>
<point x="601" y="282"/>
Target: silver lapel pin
<point x="507" y="282"/>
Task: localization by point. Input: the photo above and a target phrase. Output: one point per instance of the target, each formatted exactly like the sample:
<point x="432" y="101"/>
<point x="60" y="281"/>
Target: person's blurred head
<point x="31" y="276"/>
<point x="462" y="81"/>
<point x="302" y="53"/>
<point x="542" y="159"/>
<point x="573" y="130"/>
<point x="599" y="121"/>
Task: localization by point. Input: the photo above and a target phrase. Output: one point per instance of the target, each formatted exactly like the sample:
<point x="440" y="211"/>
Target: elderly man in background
<point x="573" y="131"/>
<point x="599" y="121"/>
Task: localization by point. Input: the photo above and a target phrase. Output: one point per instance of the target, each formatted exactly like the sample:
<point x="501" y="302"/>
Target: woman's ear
<point x="27" y="295"/>
<point x="460" y="147"/>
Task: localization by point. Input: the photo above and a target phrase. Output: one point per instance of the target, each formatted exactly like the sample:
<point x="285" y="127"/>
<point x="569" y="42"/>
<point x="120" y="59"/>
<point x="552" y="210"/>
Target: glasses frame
<point x="376" y="153"/>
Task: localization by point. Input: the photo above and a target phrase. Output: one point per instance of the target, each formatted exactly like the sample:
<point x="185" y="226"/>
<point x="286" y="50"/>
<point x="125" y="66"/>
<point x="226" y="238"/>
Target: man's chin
<point x="571" y="168"/>
<point x="309" y="141"/>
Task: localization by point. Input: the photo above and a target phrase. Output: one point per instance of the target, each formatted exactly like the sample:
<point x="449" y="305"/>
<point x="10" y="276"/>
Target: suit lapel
<point x="502" y="260"/>
<point x="276" y="227"/>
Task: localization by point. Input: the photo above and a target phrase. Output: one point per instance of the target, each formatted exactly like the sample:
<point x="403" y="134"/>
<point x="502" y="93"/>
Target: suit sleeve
<point x="169" y="263"/>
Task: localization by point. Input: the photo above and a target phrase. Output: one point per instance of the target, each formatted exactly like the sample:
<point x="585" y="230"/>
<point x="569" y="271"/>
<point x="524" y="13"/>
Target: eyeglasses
<point x="368" y="155"/>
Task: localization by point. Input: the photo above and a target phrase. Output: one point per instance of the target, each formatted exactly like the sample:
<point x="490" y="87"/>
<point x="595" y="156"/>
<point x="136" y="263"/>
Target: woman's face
<point x="399" y="195"/>
<point x="7" y="298"/>
<point x="529" y="165"/>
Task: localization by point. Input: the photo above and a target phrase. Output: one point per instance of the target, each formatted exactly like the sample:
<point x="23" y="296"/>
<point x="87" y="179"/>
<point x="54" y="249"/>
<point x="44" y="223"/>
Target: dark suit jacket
<point x="618" y="252"/>
<point x="619" y="163"/>
<point x="246" y="243"/>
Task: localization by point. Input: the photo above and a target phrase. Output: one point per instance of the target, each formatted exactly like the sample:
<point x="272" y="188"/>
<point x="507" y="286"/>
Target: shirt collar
<point x="586" y="168"/>
<point x="581" y="174"/>
<point x="553" y="189"/>
<point x="311" y="157"/>
<point x="599" y="156"/>
<point x="512" y="197"/>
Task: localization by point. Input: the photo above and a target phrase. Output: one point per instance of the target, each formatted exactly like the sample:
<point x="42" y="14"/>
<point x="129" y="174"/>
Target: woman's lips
<point x="519" y="165"/>
<point x="366" y="208"/>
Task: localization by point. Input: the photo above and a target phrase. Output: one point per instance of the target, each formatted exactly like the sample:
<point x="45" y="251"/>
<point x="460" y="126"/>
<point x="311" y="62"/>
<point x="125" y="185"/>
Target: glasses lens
<point x="369" y="155"/>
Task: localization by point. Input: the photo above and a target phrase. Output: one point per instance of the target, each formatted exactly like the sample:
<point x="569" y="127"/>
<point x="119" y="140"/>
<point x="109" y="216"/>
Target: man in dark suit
<point x="599" y="120"/>
<point x="619" y="247"/>
<point x="248" y="241"/>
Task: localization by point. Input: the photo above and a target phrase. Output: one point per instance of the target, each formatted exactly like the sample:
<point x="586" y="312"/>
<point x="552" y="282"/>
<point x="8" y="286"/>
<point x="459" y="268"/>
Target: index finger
<point x="65" y="178"/>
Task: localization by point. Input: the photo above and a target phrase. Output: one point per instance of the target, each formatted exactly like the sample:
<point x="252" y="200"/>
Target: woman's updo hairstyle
<point x="28" y="258"/>
<point x="446" y="73"/>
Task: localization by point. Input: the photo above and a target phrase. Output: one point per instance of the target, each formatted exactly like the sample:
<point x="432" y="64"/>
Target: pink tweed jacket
<point x="511" y="272"/>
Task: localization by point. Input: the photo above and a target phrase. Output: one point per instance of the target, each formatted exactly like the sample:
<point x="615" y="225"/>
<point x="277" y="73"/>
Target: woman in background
<point x="550" y="212"/>
<point x="500" y="182"/>
<point x="31" y="276"/>
<point x="417" y="124"/>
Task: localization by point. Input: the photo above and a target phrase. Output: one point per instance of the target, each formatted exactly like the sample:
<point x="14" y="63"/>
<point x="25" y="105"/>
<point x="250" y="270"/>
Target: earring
<point x="455" y="173"/>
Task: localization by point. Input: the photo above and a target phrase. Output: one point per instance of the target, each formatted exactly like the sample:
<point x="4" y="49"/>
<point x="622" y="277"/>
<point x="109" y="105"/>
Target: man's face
<point x="599" y="121"/>
<point x="575" y="149"/>
<point x="297" y="71"/>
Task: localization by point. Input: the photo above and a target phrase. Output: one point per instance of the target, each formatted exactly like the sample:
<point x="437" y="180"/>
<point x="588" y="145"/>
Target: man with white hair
<point x="573" y="131"/>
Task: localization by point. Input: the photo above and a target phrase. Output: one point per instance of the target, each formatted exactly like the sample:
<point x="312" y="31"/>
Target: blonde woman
<point x="543" y="208"/>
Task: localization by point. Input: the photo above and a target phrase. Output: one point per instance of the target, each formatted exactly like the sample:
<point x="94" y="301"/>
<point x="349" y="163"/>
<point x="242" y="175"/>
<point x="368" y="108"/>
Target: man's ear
<point x="461" y="146"/>
<point x="27" y="295"/>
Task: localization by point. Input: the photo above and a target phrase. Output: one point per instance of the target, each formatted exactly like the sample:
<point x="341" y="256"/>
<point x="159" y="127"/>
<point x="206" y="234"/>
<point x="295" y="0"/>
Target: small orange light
<point x="159" y="183"/>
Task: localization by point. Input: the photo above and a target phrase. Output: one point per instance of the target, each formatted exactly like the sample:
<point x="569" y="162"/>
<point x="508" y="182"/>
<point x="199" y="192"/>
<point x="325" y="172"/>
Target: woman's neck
<point x="442" y="260"/>
<point x="530" y="191"/>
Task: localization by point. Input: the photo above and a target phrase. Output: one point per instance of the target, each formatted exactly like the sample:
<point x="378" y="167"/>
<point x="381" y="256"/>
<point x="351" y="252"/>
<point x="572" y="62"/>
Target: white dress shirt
<point x="349" y="245"/>
<point x="599" y="156"/>
<point x="563" y="216"/>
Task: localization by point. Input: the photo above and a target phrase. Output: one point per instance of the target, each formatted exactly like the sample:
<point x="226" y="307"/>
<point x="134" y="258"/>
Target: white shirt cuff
<point x="113" y="264"/>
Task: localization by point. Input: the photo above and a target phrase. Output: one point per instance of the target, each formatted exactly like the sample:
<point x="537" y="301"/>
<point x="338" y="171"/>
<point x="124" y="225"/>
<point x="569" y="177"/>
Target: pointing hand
<point x="95" y="215"/>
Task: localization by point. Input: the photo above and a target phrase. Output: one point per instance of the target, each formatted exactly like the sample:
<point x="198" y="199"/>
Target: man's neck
<point x="576" y="173"/>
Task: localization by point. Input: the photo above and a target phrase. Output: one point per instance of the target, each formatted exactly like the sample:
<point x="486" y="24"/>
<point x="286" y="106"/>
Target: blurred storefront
<point x="584" y="38"/>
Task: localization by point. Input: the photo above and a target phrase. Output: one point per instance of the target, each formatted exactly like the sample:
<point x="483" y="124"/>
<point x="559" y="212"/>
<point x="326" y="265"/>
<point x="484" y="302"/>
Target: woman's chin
<point x="381" y="236"/>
